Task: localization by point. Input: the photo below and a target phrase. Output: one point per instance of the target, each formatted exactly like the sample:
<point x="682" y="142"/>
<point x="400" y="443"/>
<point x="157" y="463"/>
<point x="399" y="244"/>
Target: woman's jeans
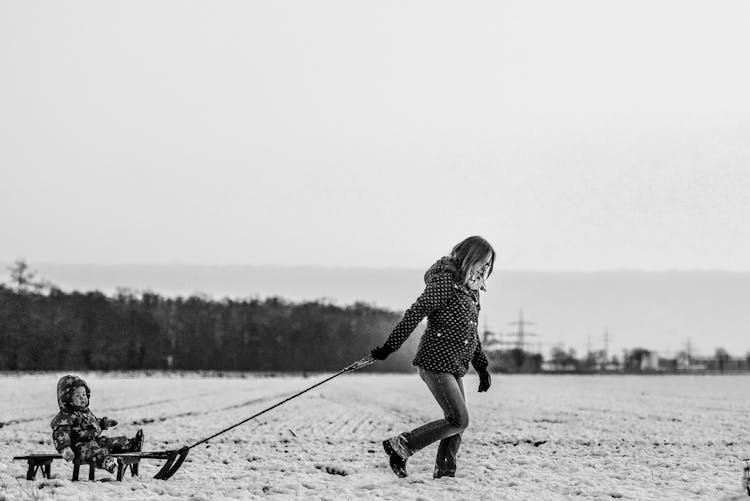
<point x="448" y="390"/>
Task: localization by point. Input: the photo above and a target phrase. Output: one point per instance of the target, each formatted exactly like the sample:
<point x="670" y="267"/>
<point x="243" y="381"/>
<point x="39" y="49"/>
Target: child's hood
<point x="443" y="265"/>
<point x="65" y="387"/>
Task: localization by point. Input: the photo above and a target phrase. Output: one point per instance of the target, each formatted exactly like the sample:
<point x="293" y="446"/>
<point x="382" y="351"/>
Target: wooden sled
<point x="125" y="460"/>
<point x="174" y="458"/>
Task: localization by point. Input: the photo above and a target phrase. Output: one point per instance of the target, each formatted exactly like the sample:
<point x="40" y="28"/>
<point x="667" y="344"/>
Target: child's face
<point x="79" y="397"/>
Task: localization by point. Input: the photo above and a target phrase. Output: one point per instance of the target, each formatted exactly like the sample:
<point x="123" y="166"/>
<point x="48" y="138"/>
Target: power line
<point x="518" y="339"/>
<point x="521" y="333"/>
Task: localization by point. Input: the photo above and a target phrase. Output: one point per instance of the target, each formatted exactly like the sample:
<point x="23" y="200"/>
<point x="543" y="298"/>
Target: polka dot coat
<point x="451" y="340"/>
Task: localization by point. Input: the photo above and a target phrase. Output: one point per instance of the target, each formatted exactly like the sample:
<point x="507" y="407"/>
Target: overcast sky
<point x="576" y="135"/>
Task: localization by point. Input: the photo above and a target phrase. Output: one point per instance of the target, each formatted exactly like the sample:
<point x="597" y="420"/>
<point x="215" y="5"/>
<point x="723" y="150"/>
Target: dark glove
<point x="484" y="380"/>
<point x="108" y="423"/>
<point x="381" y="352"/>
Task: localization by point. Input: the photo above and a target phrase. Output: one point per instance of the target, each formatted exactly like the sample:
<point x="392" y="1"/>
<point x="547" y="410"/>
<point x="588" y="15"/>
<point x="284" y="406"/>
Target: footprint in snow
<point x="333" y="470"/>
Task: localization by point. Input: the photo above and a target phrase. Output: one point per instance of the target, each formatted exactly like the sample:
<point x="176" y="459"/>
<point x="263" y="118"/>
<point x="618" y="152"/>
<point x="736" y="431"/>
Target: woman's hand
<point x="68" y="454"/>
<point x="484" y="380"/>
<point x="380" y="352"/>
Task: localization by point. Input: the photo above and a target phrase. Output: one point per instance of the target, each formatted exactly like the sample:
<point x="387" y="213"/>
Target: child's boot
<point x="110" y="464"/>
<point x="136" y="444"/>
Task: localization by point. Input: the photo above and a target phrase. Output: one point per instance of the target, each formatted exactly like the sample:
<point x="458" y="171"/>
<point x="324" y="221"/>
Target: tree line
<point x="45" y="328"/>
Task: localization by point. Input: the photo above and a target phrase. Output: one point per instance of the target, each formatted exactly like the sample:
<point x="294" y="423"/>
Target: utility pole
<point x="521" y="334"/>
<point x="606" y="345"/>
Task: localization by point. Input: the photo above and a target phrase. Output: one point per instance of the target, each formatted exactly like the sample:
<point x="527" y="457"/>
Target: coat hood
<point x="65" y="387"/>
<point x="443" y="265"/>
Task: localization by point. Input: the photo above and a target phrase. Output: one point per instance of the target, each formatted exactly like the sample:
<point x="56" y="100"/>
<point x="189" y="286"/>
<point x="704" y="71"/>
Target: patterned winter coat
<point x="74" y="425"/>
<point x="451" y="340"/>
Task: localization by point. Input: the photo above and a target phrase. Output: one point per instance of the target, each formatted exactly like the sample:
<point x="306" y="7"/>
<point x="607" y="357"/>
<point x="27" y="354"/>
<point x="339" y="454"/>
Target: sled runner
<point x="175" y="458"/>
<point x="126" y="460"/>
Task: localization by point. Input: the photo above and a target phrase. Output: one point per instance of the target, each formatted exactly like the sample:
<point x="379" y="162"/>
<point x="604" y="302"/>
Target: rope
<point x="350" y="368"/>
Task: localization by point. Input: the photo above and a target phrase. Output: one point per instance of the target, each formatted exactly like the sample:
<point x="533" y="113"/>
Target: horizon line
<point x="5" y="263"/>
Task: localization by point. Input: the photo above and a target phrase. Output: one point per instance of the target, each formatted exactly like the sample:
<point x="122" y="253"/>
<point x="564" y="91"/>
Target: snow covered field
<point x="530" y="437"/>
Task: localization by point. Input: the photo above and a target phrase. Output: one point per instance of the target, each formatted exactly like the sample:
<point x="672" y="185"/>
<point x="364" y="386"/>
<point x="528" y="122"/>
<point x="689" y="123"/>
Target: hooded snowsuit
<point x="78" y="428"/>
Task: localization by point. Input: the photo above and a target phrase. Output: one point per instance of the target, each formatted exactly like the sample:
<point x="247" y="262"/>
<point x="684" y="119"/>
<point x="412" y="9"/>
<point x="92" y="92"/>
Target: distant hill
<point x="656" y="310"/>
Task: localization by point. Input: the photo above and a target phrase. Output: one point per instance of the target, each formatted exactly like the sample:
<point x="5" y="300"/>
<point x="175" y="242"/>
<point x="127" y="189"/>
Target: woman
<point x="450" y="302"/>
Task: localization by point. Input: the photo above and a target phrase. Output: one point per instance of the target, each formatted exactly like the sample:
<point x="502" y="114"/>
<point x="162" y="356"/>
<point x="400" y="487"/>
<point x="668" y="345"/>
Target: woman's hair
<point x="468" y="252"/>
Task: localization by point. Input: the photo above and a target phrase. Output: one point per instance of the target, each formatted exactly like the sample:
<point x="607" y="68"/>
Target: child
<point x="77" y="432"/>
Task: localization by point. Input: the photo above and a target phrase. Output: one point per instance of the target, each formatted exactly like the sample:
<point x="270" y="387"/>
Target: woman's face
<point x="478" y="273"/>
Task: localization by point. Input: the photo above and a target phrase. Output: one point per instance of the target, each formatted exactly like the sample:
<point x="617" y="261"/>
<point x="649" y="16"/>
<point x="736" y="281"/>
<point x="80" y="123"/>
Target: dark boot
<point x="136" y="443"/>
<point x="397" y="455"/>
<point x="438" y="473"/>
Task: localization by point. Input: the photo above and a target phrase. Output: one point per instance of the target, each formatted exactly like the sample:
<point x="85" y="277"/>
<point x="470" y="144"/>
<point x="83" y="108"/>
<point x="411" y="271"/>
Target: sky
<point x="577" y="135"/>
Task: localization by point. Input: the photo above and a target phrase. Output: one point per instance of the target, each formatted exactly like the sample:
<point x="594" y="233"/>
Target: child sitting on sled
<point x="77" y="432"/>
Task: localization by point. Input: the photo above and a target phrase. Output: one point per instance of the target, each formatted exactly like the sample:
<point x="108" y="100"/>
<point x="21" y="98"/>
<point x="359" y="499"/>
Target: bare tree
<point x="722" y="357"/>
<point x="24" y="280"/>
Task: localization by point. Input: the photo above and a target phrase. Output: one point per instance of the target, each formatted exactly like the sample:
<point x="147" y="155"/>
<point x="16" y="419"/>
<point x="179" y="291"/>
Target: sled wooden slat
<point x="77" y="467"/>
<point x="125" y="462"/>
<point x="43" y="463"/>
<point x="38" y="462"/>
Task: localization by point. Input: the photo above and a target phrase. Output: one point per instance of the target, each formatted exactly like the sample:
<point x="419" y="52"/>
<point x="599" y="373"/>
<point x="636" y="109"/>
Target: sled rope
<point x="350" y="368"/>
<point x="174" y="458"/>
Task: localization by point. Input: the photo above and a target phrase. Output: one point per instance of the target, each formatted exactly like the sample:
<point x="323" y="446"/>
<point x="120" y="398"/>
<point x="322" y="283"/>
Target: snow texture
<point x="530" y="438"/>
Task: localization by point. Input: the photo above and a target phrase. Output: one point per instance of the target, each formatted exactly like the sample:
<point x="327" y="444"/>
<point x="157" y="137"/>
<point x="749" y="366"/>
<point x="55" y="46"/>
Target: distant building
<point x="650" y="361"/>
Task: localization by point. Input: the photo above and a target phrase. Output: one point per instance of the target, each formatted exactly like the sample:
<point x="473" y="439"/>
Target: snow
<point x="530" y="437"/>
